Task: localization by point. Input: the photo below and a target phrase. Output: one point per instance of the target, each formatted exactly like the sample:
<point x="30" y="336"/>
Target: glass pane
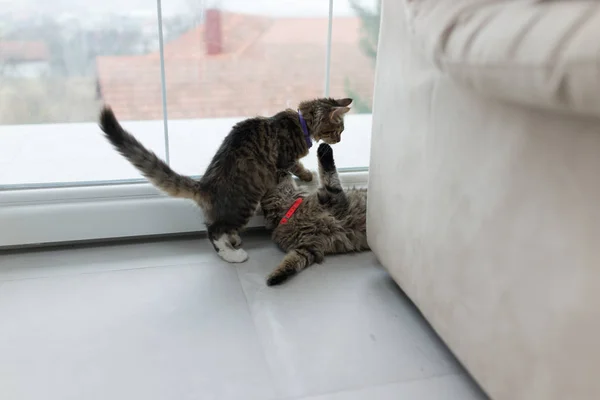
<point x="240" y="59"/>
<point x="59" y="61"/>
<point x="353" y="54"/>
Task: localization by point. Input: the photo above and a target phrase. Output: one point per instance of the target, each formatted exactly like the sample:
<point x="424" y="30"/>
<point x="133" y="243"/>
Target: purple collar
<point x="305" y="129"/>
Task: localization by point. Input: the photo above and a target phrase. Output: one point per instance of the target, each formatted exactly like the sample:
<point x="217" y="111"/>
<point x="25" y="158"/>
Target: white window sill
<point x="58" y="215"/>
<point x="77" y="154"/>
<point x="68" y="156"/>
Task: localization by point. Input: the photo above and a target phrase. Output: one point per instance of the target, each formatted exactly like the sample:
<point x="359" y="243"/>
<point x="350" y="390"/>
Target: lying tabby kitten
<point x="309" y="226"/>
<point x="244" y="167"/>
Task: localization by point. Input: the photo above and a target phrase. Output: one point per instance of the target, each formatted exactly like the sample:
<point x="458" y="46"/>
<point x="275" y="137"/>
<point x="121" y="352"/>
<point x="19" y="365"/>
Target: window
<point x="178" y="75"/>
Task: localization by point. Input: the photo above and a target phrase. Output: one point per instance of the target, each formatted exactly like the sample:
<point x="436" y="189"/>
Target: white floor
<point x="168" y="320"/>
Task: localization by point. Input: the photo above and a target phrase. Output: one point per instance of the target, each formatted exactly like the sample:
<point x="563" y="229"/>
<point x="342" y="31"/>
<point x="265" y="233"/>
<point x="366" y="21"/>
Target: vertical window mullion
<point x="328" y="49"/>
<point x="163" y="83"/>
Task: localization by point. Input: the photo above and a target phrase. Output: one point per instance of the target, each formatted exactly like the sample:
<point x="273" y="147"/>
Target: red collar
<point x="291" y="211"/>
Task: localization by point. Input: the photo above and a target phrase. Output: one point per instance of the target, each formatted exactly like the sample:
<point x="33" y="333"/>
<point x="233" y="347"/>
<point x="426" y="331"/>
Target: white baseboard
<point x="59" y="215"/>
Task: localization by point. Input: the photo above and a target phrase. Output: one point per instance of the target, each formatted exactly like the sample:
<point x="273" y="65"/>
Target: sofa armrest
<point x="540" y="53"/>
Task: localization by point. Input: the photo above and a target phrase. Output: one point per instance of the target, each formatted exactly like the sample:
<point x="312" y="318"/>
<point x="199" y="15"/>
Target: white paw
<point x="233" y="255"/>
<point x="235" y="240"/>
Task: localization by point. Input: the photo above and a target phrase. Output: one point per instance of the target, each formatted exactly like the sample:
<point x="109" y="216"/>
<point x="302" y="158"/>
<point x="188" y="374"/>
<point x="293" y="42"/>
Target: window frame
<point x="93" y="211"/>
<point x="33" y="217"/>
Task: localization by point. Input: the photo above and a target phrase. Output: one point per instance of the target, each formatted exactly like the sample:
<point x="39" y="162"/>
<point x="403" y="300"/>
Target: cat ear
<point x="344" y="102"/>
<point x="338" y="113"/>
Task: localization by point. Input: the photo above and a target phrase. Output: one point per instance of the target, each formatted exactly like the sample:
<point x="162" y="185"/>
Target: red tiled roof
<point x="266" y="65"/>
<point x="23" y="51"/>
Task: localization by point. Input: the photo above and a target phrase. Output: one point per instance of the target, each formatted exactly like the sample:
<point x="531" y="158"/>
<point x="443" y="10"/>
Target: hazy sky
<point x="271" y="7"/>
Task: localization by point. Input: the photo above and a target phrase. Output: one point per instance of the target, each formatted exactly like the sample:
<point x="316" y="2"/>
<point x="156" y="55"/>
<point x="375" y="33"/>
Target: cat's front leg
<point x="331" y="192"/>
<point x="301" y="172"/>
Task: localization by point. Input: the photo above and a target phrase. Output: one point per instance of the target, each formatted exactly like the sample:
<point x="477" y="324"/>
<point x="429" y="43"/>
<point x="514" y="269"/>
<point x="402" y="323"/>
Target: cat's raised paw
<point x="325" y="156"/>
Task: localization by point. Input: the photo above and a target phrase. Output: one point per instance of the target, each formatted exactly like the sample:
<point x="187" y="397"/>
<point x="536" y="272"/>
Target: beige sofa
<point x="484" y="188"/>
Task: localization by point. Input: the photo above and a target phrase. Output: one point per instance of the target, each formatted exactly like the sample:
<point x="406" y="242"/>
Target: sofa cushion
<point x="540" y="53"/>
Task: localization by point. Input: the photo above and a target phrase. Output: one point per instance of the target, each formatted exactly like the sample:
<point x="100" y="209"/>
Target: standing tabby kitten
<point x="244" y="167"/>
<point x="309" y="226"/>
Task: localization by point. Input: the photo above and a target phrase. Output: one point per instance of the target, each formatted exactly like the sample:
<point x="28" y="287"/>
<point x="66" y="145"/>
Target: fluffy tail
<point x="148" y="163"/>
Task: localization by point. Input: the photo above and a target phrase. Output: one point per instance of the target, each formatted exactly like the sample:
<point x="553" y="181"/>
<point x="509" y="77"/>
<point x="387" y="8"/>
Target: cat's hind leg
<point x="227" y="242"/>
<point x="294" y="261"/>
<point x="235" y="239"/>
<point x="226" y="218"/>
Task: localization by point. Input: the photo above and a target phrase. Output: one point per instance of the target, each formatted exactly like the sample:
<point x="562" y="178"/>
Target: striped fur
<point x="244" y="167"/>
<point x="329" y="221"/>
<point x="148" y="163"/>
